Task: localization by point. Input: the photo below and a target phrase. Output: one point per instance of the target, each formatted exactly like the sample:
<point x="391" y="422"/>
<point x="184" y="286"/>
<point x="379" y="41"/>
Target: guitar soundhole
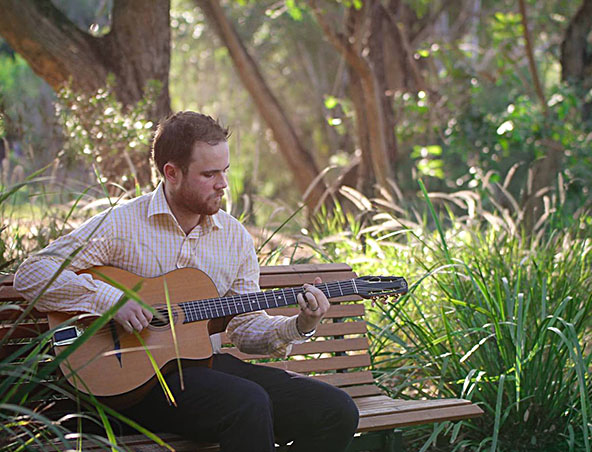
<point x="161" y="318"/>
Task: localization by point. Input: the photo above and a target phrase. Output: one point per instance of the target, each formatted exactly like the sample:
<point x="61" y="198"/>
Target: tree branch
<point x="375" y="121"/>
<point x="299" y="159"/>
<point x="52" y="45"/>
<point x="530" y="55"/>
<point x="576" y="59"/>
<point x="398" y="34"/>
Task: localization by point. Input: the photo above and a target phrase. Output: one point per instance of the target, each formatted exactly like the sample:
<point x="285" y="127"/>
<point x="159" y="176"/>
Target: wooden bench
<point x="337" y="355"/>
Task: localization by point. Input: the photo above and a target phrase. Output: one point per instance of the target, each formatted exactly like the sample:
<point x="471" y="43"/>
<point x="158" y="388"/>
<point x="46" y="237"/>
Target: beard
<point x="200" y="205"/>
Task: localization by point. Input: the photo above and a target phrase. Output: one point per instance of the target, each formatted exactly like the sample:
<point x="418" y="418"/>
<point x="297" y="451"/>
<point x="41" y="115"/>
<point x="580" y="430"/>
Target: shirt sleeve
<point x="257" y="332"/>
<point x="40" y="280"/>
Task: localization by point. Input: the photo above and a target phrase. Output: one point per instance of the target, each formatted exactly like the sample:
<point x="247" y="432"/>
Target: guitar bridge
<point x="66" y="335"/>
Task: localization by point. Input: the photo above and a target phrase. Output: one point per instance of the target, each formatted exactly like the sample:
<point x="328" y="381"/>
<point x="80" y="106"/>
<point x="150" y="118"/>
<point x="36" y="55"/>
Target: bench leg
<point x="383" y="441"/>
<point x="394" y="441"/>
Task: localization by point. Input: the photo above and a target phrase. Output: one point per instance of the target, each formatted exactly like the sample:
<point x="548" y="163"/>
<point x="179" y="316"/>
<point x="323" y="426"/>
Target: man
<point x="242" y="406"/>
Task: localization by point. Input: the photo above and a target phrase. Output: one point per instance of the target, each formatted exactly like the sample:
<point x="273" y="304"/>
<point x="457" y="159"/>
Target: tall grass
<point x="29" y="388"/>
<point x="496" y="314"/>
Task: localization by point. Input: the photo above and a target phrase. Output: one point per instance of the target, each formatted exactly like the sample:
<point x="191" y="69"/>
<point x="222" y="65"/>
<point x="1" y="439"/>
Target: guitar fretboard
<point x="212" y="308"/>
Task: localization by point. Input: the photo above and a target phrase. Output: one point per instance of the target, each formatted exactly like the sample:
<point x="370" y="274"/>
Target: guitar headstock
<point x="380" y="287"/>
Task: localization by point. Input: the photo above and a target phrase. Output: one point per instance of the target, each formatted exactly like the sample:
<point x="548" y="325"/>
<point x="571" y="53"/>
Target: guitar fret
<point x="224" y="310"/>
<point x="279" y="298"/>
<point x="202" y="310"/>
<point x="241" y="303"/>
<point x="325" y="289"/>
<point x="234" y="304"/>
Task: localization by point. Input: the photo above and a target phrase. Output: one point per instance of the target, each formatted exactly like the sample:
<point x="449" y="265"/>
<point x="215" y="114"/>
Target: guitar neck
<point x="212" y="308"/>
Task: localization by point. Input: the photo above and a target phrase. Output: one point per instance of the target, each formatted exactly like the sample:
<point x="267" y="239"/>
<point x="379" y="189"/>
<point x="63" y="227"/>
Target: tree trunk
<point x="136" y="50"/>
<point x="300" y="159"/>
<point x="376" y="55"/>
<point x="373" y="105"/>
<point x="365" y="179"/>
<point x="543" y="171"/>
<point x="542" y="175"/>
<point x="530" y="55"/>
<point x="576" y="55"/>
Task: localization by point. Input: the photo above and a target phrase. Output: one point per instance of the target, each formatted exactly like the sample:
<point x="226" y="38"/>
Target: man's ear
<point x="171" y="172"/>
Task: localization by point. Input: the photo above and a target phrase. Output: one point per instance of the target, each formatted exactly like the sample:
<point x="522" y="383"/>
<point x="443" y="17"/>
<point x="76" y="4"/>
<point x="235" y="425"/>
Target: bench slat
<point x="298" y="279"/>
<point x="426" y="416"/>
<point x="12" y="311"/>
<point x="347" y="378"/>
<point x="313" y="347"/>
<point x="32" y="330"/>
<point x="304" y="268"/>
<point x="382" y="404"/>
<point x="9" y="293"/>
<point x="6" y="279"/>
<point x="336" y="311"/>
<point x="341" y="329"/>
<point x="323" y="364"/>
<point x="327" y="330"/>
<point x="362" y="391"/>
<point x="23" y="331"/>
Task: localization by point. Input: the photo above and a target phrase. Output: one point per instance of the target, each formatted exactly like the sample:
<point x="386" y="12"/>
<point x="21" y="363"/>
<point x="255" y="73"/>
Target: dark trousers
<point x="246" y="408"/>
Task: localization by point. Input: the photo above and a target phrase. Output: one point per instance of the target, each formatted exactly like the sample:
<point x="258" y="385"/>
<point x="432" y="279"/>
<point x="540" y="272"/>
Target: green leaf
<point x="330" y="102"/>
<point x="293" y="10"/>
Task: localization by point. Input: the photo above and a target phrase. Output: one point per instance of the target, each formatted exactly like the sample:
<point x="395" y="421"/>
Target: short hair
<point x="177" y="134"/>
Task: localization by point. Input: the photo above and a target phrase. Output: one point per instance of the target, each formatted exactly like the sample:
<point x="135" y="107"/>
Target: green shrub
<point x="495" y="315"/>
<point x="101" y="133"/>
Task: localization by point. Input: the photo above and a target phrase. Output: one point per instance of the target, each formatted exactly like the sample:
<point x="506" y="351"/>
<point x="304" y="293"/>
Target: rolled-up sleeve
<point x="258" y="332"/>
<point x="55" y="286"/>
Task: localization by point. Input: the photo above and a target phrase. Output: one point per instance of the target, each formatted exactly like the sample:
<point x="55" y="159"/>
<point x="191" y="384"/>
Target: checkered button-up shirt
<point x="143" y="237"/>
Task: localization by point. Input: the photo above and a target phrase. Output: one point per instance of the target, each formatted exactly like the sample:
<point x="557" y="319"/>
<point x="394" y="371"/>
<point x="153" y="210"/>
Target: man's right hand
<point x="131" y="316"/>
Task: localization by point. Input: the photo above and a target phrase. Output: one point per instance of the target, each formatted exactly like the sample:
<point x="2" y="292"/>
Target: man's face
<point x="199" y="191"/>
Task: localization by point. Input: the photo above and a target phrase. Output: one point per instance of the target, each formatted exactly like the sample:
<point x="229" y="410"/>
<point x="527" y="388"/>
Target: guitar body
<point x="114" y="363"/>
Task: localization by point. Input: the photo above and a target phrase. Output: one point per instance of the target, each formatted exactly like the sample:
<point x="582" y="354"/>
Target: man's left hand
<point x="313" y="307"/>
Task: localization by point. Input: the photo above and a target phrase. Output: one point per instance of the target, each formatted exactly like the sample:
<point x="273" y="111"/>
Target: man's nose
<point x="221" y="181"/>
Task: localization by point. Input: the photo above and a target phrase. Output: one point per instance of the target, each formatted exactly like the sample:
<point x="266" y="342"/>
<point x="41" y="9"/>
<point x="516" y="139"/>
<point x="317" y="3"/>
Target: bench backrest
<point x="338" y="354"/>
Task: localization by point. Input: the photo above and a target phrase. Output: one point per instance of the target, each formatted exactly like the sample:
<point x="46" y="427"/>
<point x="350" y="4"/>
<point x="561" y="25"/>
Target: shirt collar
<point x="159" y="206"/>
<point x="158" y="203"/>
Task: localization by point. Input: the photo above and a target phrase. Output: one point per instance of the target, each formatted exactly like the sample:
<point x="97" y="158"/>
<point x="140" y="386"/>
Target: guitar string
<point x="205" y="304"/>
<point x="200" y="307"/>
<point x="225" y="304"/>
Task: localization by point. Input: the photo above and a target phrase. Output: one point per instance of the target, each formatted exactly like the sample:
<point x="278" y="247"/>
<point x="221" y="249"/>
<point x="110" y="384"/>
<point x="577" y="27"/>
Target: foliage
<point x="26" y="105"/>
<point x="26" y="391"/>
<point x="495" y="315"/>
<point x="100" y="131"/>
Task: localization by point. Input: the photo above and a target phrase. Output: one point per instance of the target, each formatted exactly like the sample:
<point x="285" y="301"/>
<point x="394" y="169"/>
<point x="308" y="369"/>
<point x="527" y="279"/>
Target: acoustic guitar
<point x="113" y="363"/>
